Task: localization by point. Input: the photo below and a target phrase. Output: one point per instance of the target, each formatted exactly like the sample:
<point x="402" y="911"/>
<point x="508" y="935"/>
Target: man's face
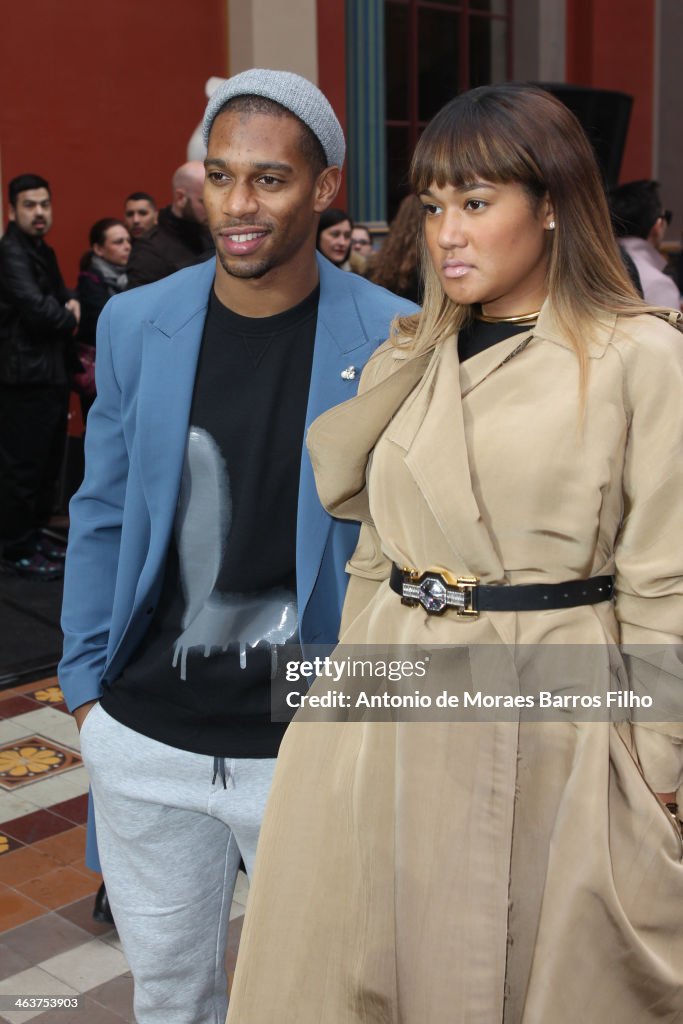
<point x="33" y="212"/>
<point x="192" y="202"/>
<point x="261" y="196"/>
<point x="140" y="216"/>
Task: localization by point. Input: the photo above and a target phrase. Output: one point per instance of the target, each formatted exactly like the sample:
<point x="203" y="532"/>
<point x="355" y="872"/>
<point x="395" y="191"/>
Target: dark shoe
<point x="49" y="544"/>
<point x="37" y="567"/>
<point x="102" y="911"/>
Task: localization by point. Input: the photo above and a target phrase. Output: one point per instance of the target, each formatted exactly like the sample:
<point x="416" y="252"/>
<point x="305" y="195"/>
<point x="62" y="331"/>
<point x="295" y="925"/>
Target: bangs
<point x="469" y="141"/>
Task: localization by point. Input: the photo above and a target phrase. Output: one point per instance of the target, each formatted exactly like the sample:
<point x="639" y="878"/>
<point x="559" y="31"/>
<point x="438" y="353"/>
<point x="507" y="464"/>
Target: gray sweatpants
<point x="170" y="842"/>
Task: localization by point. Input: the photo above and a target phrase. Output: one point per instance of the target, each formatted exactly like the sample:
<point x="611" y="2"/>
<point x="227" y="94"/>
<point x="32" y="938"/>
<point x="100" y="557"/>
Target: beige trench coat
<point x="429" y="873"/>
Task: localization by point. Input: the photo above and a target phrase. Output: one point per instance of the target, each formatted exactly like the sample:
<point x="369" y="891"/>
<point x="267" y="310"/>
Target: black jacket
<point x="35" y="326"/>
<point x="93" y="294"/>
<point x="173" y="244"/>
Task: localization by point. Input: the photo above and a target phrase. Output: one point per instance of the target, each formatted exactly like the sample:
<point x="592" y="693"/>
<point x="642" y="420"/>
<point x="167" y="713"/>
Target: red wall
<point x="101" y="99"/>
<point x="332" y="64"/>
<point x="612" y="46"/>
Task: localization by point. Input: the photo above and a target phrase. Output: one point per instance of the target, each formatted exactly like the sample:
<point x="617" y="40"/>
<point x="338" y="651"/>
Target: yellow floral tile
<point x="7" y="844"/>
<point x="32" y="758"/>
<point x="48" y="695"/>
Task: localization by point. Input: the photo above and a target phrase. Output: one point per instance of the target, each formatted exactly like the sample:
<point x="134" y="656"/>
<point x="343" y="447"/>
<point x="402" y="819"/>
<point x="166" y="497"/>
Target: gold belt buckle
<point x="467" y="585"/>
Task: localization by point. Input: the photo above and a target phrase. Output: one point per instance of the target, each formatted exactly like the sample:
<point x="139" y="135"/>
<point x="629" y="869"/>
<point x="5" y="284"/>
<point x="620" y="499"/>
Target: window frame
<point x="465" y="10"/>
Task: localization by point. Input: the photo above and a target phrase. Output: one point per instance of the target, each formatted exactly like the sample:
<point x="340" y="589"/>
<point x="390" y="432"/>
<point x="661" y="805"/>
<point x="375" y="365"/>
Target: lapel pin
<point x="349" y="373"/>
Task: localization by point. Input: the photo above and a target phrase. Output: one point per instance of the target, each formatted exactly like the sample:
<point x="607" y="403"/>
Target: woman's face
<point x="361" y="241"/>
<point x="116" y="246"/>
<point x="489" y="245"/>
<point x="335" y="242"/>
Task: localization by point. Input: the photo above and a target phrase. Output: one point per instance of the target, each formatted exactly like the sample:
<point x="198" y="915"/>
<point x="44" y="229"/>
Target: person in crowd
<point x="140" y="214"/>
<point x="180" y="237"/>
<point x="102" y="274"/>
<point x="640" y="223"/>
<point x="396" y="264"/>
<point x="334" y="237"/>
<point x="38" y="316"/>
<point x="198" y="545"/>
<point x="514" y="455"/>
<point x="361" y="241"/>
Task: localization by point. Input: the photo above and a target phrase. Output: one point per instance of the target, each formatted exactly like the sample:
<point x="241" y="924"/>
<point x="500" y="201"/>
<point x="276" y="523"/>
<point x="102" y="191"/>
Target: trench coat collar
<point x="548" y="328"/>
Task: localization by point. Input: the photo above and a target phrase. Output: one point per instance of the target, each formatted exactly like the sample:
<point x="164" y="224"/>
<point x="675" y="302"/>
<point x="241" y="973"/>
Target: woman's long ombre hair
<point x="520" y="133"/>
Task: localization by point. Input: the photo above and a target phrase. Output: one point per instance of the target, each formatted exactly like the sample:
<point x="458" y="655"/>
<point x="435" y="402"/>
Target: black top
<point x="93" y="294"/>
<point x="201" y="678"/>
<point x="479" y="335"/>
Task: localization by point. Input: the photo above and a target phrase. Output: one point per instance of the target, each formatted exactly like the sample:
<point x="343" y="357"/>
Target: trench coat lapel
<point x="433" y="435"/>
<point x="475" y="371"/>
<point x="341" y="478"/>
<point x="342" y="343"/>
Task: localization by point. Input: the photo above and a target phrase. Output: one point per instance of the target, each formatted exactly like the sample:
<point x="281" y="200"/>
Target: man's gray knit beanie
<point x="294" y="93"/>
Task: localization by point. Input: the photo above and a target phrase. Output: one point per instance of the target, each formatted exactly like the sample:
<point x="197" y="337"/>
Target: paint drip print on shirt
<point x="215" y="621"/>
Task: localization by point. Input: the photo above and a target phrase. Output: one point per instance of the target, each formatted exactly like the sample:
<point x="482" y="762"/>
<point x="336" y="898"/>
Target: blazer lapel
<point x="171" y="345"/>
<point x="342" y="346"/>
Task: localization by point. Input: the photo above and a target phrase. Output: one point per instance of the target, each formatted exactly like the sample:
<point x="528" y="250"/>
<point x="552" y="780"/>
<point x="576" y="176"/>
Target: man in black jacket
<point x="38" y="316"/>
<point x="180" y="237"/>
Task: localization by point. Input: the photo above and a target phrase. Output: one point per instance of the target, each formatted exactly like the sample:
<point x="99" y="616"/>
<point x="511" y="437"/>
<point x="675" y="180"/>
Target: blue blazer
<point x="148" y="343"/>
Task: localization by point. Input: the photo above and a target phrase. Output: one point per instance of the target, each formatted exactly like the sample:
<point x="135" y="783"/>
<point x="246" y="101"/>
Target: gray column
<point x="365" y="110"/>
<point x="667" y="164"/>
<point x="539" y="35"/>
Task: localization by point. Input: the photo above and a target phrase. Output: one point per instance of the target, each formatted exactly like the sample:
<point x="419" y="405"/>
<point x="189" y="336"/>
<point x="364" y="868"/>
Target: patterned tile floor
<point x="49" y="943"/>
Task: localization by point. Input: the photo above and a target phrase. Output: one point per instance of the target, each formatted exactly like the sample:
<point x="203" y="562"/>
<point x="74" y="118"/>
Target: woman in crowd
<point x="102" y="274"/>
<point x="361" y="241"/>
<point x="395" y="266"/>
<point x="514" y="457"/>
<point x="334" y="236"/>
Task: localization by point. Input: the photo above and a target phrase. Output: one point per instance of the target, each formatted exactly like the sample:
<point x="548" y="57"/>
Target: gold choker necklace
<point x="525" y="318"/>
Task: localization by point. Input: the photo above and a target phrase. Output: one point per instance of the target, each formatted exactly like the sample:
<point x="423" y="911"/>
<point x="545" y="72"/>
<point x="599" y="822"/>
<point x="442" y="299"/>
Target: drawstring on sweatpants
<point x="219" y="769"/>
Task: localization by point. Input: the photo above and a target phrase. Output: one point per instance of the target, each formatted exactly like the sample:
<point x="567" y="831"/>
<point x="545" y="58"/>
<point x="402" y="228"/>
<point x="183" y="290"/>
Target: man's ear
<point x="657" y="232"/>
<point x="326" y="188"/>
<point x="11" y="213"/>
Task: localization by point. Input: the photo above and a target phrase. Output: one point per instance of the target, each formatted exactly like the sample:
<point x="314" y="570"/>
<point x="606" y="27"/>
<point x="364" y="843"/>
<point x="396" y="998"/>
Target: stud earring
<point x="551" y="226"/>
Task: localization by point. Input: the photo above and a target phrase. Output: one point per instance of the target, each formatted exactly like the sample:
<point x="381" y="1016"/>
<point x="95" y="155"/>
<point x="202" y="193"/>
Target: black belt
<point x="438" y="591"/>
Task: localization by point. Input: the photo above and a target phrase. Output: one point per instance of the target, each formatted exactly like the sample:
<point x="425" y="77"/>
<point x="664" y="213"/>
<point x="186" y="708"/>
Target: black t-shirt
<point x="201" y="678"/>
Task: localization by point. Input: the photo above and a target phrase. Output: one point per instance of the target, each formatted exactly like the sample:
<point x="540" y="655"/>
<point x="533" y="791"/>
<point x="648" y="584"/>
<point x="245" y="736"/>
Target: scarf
<point x="115" y="277"/>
